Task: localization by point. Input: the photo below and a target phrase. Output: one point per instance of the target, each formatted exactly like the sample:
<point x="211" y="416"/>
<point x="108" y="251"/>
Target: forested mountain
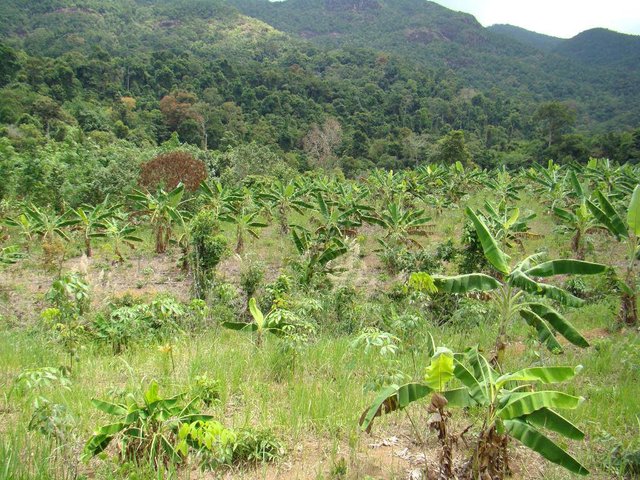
<point x="435" y="36"/>
<point x="533" y="39"/>
<point x="596" y="47"/>
<point x="353" y="84"/>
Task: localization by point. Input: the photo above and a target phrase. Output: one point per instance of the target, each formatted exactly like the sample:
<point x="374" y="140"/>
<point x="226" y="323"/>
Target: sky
<point x="560" y="18"/>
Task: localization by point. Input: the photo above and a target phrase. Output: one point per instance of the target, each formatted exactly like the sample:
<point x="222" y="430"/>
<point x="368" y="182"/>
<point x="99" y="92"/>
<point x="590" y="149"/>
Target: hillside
<point x="527" y="37"/>
<point x="595" y="47"/>
<point x="394" y="80"/>
<point x="604" y="48"/>
<point x="435" y="36"/>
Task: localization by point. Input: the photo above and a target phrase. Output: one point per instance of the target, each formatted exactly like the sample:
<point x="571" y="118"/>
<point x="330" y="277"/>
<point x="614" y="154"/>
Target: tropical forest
<point x="315" y="239"/>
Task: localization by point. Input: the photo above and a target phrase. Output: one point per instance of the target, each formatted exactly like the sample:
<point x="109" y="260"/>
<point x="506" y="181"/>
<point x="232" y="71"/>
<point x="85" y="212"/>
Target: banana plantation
<point x="444" y="322"/>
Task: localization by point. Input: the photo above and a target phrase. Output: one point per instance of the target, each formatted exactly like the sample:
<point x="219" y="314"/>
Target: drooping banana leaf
<point x="559" y="323"/>
<point x="545" y="335"/>
<point x="565" y="267"/>
<point x="524" y="403"/>
<point x="545" y="418"/>
<point x="496" y="257"/>
<point x="539" y="443"/>
<point x="466" y="283"/>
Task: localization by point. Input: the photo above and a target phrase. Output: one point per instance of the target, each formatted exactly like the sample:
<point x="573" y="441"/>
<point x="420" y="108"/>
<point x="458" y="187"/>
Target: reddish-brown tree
<point x="169" y="169"/>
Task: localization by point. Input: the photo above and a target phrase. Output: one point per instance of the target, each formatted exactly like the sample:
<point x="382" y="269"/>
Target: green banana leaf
<point x="559" y="323"/>
<point x="466" y="283"/>
<point x="524" y="403"/>
<point x="545" y="418"/>
<point x="539" y="443"/>
<point x="565" y="267"/>
<point x="540" y="374"/>
<point x="545" y="335"/>
<point x="496" y="257"/>
<point x="633" y="213"/>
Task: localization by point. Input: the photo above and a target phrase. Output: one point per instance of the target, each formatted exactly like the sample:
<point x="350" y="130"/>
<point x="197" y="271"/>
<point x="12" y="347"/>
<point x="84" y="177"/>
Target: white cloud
<point x="562" y="18"/>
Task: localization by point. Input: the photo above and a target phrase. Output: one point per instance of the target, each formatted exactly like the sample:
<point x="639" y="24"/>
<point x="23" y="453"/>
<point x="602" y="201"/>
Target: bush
<point x="209" y="247"/>
<point x="251" y="277"/>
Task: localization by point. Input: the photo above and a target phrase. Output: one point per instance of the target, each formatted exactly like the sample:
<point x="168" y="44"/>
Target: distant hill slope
<point x="595" y="47"/>
<point x="603" y="47"/>
<point x="527" y="37"/>
<point x="434" y="36"/>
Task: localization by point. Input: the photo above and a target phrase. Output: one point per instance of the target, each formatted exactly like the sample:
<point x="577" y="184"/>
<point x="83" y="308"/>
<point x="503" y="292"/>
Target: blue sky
<point x="560" y="18"/>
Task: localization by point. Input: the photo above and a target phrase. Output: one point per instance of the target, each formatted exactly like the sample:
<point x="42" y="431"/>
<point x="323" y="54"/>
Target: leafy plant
<point x="220" y="446"/>
<point x="145" y="431"/>
<point x="273" y="322"/>
<point x="511" y="285"/>
<point x="629" y="232"/>
<point x="512" y="408"/>
<point x="164" y="210"/>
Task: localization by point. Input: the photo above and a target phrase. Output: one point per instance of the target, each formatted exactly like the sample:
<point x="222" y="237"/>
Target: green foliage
<point x="220" y="446"/>
<point x="511" y="408"/>
<point x="145" y="431"/>
<point x="208" y="249"/>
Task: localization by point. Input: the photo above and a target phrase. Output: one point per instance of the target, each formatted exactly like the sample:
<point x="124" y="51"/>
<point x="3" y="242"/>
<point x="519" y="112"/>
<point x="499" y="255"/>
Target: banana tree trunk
<point x="240" y="243"/>
<point x="577" y="246"/>
<point x="628" y="314"/>
<point x="87" y="247"/>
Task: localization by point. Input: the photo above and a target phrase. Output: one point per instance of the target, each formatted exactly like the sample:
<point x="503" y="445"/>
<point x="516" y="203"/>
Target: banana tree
<point x="580" y="222"/>
<point x="274" y="322"/>
<point x="550" y="183"/>
<point x="145" y="431"/>
<point x="91" y="222"/>
<point x="47" y="225"/>
<point x="245" y="223"/>
<point x="164" y="211"/>
<point x="10" y="255"/>
<point x="334" y="221"/>
<point x="317" y="254"/>
<point x="120" y="233"/>
<point x="512" y="406"/>
<point x="629" y="232"/>
<point x="507" y="224"/>
<point x="285" y="198"/>
<point x="27" y="228"/>
<point x="510" y="286"/>
<point x="401" y="224"/>
<point x="504" y="186"/>
<point x="219" y="198"/>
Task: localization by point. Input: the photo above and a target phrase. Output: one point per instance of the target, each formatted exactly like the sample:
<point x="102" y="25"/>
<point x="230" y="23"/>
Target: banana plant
<point x="512" y="406"/>
<point x="550" y="183"/>
<point x="164" y="211"/>
<point x="317" y="254"/>
<point x="579" y="222"/>
<point x="145" y="431"/>
<point x="504" y="186"/>
<point x="510" y="288"/>
<point x="507" y="224"/>
<point x="37" y="222"/>
<point x="627" y="232"/>
<point x="220" y="199"/>
<point x="274" y="322"/>
<point x="91" y="222"/>
<point x="245" y="223"/>
<point x="401" y="224"/>
<point x="515" y="407"/>
<point x="285" y="198"/>
<point x="10" y="255"/>
<point x="120" y="233"/>
<point x="27" y="228"/>
<point x="333" y="221"/>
